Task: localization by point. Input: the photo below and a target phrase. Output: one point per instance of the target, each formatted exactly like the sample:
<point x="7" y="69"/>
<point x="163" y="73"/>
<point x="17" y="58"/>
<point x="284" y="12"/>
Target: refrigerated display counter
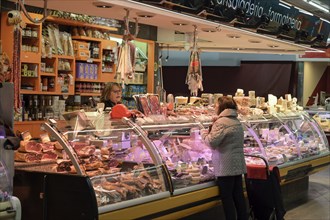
<point x="124" y="170"/>
<point x="322" y="117"/>
<point x="154" y="170"/>
<point x="294" y="142"/>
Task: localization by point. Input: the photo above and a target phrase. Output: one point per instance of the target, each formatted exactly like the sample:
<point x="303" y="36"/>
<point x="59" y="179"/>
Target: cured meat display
<point x="194" y="77"/>
<point x="33" y="151"/>
<point x="154" y="104"/>
<point x="131" y="163"/>
<point x="187" y="157"/>
<point x="144" y="104"/>
<point x="119" y="187"/>
<point x="127" y="53"/>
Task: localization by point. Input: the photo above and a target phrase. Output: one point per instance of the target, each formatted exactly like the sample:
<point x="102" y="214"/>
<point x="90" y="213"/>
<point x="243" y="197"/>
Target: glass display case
<point x="285" y="140"/>
<point x="186" y="156"/>
<point x="322" y="117"/>
<point x="119" y="165"/>
<point x="123" y="166"/>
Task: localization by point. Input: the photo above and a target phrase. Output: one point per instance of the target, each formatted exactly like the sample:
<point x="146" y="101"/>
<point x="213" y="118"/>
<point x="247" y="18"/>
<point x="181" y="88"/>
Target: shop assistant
<point x="111" y="94"/>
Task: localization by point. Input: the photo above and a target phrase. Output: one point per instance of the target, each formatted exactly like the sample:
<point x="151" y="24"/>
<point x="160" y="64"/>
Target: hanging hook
<point x="36" y="21"/>
<point x="168" y="55"/>
<point x="161" y="51"/>
<point x="127" y="32"/>
<point x="195" y="38"/>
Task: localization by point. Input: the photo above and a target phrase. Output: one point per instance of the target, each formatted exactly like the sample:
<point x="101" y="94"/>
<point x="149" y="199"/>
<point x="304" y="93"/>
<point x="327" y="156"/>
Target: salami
<point x="16" y="78"/>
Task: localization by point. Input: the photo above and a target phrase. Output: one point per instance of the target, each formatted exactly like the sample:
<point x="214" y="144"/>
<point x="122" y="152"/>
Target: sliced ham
<point x="56" y="145"/>
<point x="78" y="145"/>
<point x="46" y="147"/>
<point x="49" y="156"/>
<point x="154" y="104"/>
<point x="86" y="151"/>
<point x="30" y="146"/>
<point x="145" y="105"/>
<point x="27" y="157"/>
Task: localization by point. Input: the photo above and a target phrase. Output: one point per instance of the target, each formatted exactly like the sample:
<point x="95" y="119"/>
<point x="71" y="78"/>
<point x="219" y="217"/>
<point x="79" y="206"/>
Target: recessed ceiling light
<point x="102" y="5"/>
<point x="180" y="23"/>
<point x="234" y="36"/>
<point x="272" y="45"/>
<point x="145" y="14"/>
<point x="255" y="41"/>
<point x="209" y="30"/>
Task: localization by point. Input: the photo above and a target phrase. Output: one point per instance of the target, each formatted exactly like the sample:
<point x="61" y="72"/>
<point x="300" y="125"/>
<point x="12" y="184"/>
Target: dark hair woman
<point x="226" y="139"/>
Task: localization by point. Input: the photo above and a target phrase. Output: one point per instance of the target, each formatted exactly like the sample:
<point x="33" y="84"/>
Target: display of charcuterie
<point x="130" y="160"/>
<point x="284" y="140"/>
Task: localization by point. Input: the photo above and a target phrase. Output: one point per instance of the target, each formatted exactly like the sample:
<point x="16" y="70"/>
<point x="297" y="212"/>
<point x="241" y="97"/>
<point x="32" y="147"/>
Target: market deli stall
<point x="158" y="169"/>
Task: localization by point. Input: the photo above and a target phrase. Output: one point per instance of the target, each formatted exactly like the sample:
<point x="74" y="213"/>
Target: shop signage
<point x="280" y="13"/>
<point x="275" y="10"/>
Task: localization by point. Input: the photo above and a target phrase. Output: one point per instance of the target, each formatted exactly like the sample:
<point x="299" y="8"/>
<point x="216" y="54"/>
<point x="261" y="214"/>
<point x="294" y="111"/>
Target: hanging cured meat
<point x="127" y="53"/>
<point x="17" y="68"/>
<point x="194" y="76"/>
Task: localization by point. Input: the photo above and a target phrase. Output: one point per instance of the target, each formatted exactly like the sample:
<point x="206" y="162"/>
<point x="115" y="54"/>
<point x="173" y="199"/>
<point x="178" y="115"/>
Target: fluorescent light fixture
<point x="317" y="6"/>
<point x="325" y="20"/>
<point x="305" y="12"/>
<point x="284" y="5"/>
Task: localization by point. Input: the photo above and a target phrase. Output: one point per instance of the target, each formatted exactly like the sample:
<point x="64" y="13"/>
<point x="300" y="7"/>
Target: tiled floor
<point x="317" y="206"/>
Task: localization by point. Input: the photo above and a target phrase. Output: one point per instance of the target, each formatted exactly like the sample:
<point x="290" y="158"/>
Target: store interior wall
<point x="262" y="77"/>
<point x="313" y="72"/>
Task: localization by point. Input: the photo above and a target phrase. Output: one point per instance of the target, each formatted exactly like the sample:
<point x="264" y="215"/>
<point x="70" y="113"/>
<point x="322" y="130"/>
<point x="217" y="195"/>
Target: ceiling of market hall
<point x="212" y="35"/>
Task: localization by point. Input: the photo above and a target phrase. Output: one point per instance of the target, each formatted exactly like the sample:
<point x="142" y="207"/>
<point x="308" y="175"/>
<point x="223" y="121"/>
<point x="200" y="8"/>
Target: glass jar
<point x="34" y="32"/>
<point x="28" y="32"/>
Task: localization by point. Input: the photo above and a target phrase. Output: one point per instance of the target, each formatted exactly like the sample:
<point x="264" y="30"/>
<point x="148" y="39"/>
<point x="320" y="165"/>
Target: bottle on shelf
<point x="49" y="108"/>
<point x="43" y="107"/>
<point x="35" y="108"/>
<point x="51" y="84"/>
<point x="44" y="84"/>
<point x="94" y="50"/>
<point x="28" y="109"/>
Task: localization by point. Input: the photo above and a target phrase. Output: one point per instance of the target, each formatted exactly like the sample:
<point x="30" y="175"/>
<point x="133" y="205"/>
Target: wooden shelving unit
<point x="35" y="58"/>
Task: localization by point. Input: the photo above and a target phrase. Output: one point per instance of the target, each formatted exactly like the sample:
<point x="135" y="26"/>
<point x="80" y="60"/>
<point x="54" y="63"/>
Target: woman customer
<point x="111" y="94"/>
<point x="225" y="137"/>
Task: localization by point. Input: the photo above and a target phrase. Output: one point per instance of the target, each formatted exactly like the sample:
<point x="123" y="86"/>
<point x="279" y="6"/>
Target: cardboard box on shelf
<point x="82" y="54"/>
<point x="80" y="45"/>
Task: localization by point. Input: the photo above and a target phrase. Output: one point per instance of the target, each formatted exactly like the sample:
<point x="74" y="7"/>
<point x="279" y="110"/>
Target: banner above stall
<point x="271" y="17"/>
